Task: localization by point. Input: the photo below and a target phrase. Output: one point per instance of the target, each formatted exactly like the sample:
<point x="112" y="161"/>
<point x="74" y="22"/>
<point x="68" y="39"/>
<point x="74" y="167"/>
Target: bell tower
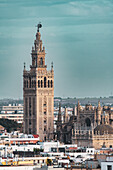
<point x="38" y="93"/>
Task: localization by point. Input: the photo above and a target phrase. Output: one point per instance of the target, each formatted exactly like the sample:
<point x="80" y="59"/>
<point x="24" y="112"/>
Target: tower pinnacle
<point x="51" y="65"/>
<point x="24" y="65"/>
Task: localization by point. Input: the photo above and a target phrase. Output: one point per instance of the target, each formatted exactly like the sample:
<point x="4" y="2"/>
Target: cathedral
<point x="87" y="126"/>
<point x="38" y="93"/>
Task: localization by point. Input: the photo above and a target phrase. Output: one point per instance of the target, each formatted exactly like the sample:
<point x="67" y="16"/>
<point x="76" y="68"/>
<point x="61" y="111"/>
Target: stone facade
<point x="89" y="127"/>
<point x="38" y="94"/>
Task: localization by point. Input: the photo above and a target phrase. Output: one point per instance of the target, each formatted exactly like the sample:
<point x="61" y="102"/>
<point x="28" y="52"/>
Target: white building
<point x="12" y="112"/>
<point x="108" y="164"/>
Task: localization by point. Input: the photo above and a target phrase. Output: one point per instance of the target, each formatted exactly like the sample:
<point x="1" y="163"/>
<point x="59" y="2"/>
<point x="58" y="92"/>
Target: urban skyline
<point x="78" y="38"/>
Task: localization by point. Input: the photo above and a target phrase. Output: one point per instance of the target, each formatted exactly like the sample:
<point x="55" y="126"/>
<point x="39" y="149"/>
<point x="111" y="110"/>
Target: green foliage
<point x="58" y="98"/>
<point x="10" y="125"/>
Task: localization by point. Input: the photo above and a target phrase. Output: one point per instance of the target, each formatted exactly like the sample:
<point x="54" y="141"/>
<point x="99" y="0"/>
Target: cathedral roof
<point x="102" y="129"/>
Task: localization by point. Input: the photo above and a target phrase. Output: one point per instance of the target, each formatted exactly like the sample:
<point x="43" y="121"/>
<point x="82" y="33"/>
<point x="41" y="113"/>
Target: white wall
<point x="104" y="165"/>
<point x="18" y="168"/>
<point x="90" y="151"/>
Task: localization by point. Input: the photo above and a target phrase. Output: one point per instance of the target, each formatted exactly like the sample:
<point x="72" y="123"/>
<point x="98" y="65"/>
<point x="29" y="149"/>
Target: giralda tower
<point x="38" y="93"/>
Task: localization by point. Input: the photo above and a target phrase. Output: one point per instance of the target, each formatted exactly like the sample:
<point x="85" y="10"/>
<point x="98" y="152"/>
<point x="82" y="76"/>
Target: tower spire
<point x="51" y="65"/>
<point x="65" y="115"/>
<point x="78" y="110"/>
<point x="38" y="51"/>
<point x="24" y="65"/>
<point x="99" y="110"/>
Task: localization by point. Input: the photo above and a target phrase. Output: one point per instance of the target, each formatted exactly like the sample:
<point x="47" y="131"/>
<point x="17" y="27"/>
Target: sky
<point x="78" y="38"/>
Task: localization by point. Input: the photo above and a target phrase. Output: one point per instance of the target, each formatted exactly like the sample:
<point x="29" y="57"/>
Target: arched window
<point x="48" y="84"/>
<point x="39" y="83"/>
<point x="51" y="83"/>
<point x="30" y="82"/>
<point x="24" y="84"/>
<point x="41" y="61"/>
<point x="44" y="81"/>
<point x="88" y="122"/>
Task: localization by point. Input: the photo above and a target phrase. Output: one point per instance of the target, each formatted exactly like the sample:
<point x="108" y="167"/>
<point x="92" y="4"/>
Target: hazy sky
<point x="78" y="37"/>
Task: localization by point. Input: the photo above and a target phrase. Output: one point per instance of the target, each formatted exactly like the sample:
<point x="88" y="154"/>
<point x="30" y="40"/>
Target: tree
<point x="10" y="125"/>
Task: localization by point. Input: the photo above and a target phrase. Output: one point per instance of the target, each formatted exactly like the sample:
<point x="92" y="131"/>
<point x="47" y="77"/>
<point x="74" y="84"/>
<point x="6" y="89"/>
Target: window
<point x="41" y="61"/>
<point x="25" y="84"/>
<point x="45" y="113"/>
<point x="39" y="83"/>
<point x="44" y="128"/>
<point x="44" y="121"/>
<point x="44" y="81"/>
<point x="29" y="102"/>
<point x="29" y="106"/>
<point x="29" y="121"/>
<point x="29" y="82"/>
<point x="88" y="122"/>
<point x="29" y="130"/>
<point x="109" y="167"/>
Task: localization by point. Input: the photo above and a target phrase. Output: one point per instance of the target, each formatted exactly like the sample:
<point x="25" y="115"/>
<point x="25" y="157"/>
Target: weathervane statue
<point x="39" y="26"/>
